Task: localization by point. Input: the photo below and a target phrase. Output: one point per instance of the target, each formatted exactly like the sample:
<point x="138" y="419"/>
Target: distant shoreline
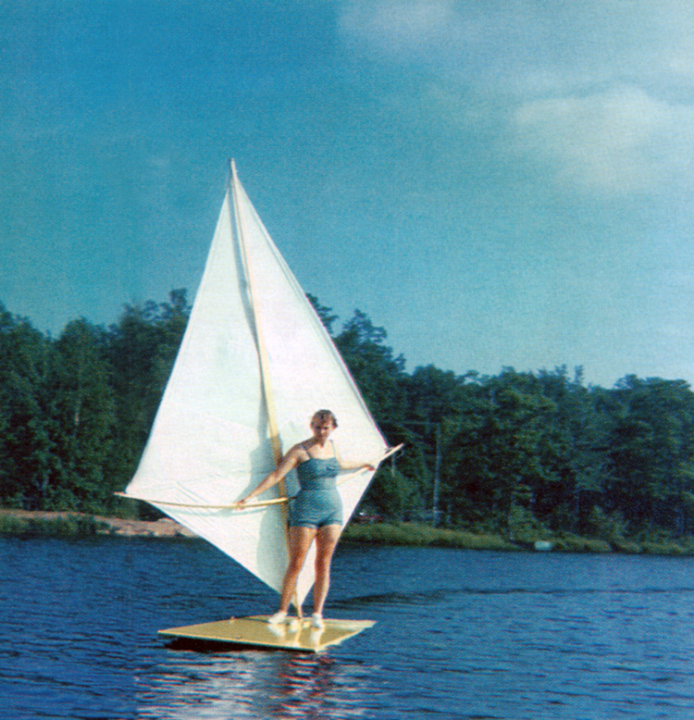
<point x="68" y="522"/>
<point x="72" y="523"/>
<point x="75" y="524"/>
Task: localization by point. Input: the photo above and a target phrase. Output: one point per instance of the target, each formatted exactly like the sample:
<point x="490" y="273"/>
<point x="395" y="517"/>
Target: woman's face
<point x="322" y="429"/>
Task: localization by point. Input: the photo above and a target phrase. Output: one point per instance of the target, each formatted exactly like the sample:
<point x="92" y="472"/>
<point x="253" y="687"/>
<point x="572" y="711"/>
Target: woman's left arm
<point x="353" y="465"/>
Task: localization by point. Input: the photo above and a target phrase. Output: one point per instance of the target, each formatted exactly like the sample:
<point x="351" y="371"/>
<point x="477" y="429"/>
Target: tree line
<point x="500" y="453"/>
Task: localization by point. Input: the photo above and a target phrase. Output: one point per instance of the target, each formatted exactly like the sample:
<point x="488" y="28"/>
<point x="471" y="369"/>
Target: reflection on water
<point x="252" y="684"/>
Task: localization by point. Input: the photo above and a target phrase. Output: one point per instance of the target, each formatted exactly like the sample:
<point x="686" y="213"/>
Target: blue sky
<point x="494" y="183"/>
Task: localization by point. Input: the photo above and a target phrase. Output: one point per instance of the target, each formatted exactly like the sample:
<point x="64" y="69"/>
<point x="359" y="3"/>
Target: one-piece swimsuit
<point x="318" y="502"/>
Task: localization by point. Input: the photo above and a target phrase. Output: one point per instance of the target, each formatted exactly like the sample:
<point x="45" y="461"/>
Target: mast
<point x="262" y="352"/>
<point x="264" y="363"/>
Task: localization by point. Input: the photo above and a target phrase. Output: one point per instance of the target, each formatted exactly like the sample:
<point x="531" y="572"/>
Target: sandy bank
<point x="112" y="526"/>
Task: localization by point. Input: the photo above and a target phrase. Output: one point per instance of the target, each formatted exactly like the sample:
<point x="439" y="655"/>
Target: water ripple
<point x="458" y="635"/>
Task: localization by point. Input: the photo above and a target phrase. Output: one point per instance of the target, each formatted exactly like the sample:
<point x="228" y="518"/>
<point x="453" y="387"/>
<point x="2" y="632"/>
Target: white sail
<point x="210" y="445"/>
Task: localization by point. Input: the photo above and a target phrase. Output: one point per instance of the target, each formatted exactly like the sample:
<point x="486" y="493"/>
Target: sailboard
<point x="255" y="630"/>
<point x="254" y="365"/>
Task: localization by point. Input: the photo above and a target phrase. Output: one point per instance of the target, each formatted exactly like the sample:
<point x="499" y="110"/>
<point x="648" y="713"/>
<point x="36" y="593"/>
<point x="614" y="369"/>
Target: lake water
<point x="460" y="635"/>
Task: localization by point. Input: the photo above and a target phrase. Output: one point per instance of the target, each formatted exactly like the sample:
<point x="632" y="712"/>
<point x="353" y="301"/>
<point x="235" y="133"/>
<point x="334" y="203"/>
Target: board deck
<point x="257" y="632"/>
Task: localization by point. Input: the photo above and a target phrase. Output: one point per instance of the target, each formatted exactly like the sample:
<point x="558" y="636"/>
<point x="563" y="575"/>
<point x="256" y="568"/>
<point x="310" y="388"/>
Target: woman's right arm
<point x="288" y="463"/>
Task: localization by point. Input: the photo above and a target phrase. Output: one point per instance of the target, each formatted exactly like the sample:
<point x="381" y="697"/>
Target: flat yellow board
<point x="255" y="630"/>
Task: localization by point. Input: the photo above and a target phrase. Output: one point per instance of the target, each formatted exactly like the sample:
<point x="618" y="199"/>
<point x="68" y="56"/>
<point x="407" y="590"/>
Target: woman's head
<point x="323" y="417"/>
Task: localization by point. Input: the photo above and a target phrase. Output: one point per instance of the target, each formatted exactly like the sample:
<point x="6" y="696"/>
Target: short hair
<point x="324" y="416"/>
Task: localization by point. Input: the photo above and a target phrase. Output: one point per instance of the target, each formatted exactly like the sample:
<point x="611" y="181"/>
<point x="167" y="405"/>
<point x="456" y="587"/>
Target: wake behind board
<point x="255" y="631"/>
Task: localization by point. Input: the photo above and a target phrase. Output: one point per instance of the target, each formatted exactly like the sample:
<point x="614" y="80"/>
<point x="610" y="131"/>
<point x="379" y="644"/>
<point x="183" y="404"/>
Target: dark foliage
<point x="503" y="452"/>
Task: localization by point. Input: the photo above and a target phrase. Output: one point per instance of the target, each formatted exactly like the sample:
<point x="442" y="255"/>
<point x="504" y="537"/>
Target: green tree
<point x="578" y="441"/>
<point x="26" y="449"/>
<point x="651" y="448"/>
<point x="381" y="379"/>
<point x="83" y="414"/>
<point x="500" y="453"/>
<point x="376" y="371"/>
<point x="434" y="401"/>
<point x="324" y="313"/>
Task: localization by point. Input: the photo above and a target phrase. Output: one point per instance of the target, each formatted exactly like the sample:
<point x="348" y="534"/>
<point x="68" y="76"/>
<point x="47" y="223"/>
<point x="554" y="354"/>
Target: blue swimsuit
<point x="318" y="502"/>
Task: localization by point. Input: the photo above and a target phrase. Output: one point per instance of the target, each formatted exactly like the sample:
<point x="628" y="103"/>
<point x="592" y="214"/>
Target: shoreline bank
<point x="74" y="524"/>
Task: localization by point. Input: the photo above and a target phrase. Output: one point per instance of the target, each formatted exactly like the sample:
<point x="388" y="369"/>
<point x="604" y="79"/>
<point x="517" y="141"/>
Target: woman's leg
<point x="326" y="541"/>
<point x="300" y="539"/>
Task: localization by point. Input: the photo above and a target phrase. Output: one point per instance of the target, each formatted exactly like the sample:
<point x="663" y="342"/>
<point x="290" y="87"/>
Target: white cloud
<point x="601" y="93"/>
<point x="522" y="44"/>
<point x="619" y="141"/>
<point x="397" y="28"/>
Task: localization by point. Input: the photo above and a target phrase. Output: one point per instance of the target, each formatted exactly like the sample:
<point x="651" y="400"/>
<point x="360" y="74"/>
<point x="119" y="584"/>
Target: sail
<point x="210" y="442"/>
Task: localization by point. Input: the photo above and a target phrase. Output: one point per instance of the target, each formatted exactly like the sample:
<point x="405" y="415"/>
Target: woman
<point x="315" y="513"/>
